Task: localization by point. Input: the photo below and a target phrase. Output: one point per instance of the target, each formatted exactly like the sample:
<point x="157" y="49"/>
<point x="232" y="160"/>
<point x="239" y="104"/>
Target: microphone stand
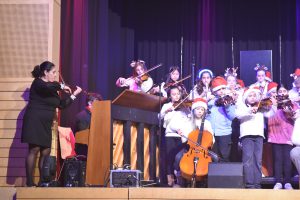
<point x="160" y="123"/>
<point x="193" y="76"/>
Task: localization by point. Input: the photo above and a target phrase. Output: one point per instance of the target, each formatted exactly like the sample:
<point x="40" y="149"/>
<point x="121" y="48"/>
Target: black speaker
<point x="225" y="175"/>
<point x="125" y="178"/>
<point x="74" y="173"/>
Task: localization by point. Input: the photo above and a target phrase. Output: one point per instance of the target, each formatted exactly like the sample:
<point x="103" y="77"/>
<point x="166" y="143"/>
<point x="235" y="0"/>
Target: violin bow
<point x="63" y="82"/>
<point x="149" y="70"/>
<point x="183" y="79"/>
<point x="261" y="98"/>
<point x="181" y="102"/>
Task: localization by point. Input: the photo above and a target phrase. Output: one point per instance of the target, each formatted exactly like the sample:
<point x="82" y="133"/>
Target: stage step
<point x="154" y="193"/>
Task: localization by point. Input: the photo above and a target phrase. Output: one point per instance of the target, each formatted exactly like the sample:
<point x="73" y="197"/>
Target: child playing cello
<point x="191" y="130"/>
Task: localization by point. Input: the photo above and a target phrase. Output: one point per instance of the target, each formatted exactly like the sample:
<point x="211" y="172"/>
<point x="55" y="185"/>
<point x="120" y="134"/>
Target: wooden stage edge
<point x="146" y="193"/>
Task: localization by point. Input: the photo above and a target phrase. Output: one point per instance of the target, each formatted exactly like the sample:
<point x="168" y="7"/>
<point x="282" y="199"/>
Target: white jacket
<point x="296" y="133"/>
<point x="252" y="123"/>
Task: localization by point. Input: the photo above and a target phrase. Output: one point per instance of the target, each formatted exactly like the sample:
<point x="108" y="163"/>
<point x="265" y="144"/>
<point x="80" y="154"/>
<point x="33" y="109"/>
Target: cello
<point x="194" y="163"/>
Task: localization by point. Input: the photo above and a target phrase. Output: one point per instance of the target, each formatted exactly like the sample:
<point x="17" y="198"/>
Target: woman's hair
<point x="169" y="91"/>
<point x="135" y="64"/>
<point x="200" y="84"/>
<point x="281" y="85"/>
<point x="172" y="69"/>
<point x="231" y="75"/>
<point x="39" y="70"/>
<point x="91" y="97"/>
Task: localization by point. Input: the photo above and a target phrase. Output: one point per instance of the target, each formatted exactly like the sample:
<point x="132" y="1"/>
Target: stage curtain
<point x="100" y="38"/>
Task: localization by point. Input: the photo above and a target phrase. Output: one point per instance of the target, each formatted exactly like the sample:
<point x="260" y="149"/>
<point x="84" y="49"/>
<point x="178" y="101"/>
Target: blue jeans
<point x="252" y="147"/>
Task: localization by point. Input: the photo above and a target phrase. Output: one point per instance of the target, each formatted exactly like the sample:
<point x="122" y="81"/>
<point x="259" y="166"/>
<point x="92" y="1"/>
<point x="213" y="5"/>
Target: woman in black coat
<point x="39" y="114"/>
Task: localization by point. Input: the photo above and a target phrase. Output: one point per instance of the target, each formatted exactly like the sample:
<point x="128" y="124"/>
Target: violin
<point x="144" y="77"/>
<point x="182" y="104"/>
<point x="285" y="104"/>
<point x="283" y="101"/>
<point x="72" y="87"/>
<point x="264" y="105"/>
<point x="167" y="85"/>
<point x="225" y="100"/>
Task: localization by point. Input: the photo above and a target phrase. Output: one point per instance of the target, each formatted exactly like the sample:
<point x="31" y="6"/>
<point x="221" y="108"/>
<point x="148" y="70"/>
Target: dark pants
<point x="222" y="147"/>
<point x="173" y="146"/>
<point x="252" y="160"/>
<point x="282" y="162"/>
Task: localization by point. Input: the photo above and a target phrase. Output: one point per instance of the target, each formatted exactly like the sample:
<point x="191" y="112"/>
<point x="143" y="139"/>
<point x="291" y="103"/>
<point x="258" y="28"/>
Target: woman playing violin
<point x="221" y="117"/>
<point x="172" y="79"/>
<point x="139" y="81"/>
<point x="203" y="86"/>
<point x="280" y="127"/>
<point x="252" y="135"/>
<point x="40" y="112"/>
<point x="173" y="118"/>
<point x="233" y="88"/>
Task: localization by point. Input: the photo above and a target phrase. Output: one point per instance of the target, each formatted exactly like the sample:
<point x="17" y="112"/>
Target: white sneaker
<point x="288" y="186"/>
<point x="277" y="186"/>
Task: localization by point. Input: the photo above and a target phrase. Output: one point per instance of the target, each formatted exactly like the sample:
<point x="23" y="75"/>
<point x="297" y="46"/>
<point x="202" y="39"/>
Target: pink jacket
<point x="280" y="129"/>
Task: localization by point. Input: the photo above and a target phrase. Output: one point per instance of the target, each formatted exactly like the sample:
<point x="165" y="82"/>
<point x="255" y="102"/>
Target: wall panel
<point x="29" y="34"/>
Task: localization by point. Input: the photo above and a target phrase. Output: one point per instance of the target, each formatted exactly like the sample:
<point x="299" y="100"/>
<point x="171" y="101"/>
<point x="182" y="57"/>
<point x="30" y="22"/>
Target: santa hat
<point x="199" y="102"/>
<point x="205" y="71"/>
<point x="272" y="86"/>
<point x="241" y="82"/>
<point x="218" y="83"/>
<point x="247" y="91"/>
<point x="296" y="74"/>
<point x="268" y="76"/>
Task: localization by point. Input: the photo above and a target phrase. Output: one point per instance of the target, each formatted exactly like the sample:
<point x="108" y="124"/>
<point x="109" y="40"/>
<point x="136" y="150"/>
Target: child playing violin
<point x="139" y="81"/>
<point x="280" y="128"/>
<point x="203" y="86"/>
<point x="221" y="117"/>
<point x="252" y="135"/>
<point x="172" y="79"/>
<point x="172" y="139"/>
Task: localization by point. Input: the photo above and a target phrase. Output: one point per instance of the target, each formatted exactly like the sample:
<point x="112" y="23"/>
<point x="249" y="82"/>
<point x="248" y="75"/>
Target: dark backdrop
<point x="100" y="38"/>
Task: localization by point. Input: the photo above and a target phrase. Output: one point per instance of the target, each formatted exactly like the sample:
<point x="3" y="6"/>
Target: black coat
<point x="83" y="120"/>
<point x="40" y="112"/>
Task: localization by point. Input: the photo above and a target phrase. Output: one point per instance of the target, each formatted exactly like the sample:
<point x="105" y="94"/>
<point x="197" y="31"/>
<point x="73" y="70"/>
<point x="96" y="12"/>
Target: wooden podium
<point x="123" y="131"/>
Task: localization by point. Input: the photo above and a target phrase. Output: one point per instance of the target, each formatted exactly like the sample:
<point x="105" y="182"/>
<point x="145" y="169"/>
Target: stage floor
<point x="147" y="193"/>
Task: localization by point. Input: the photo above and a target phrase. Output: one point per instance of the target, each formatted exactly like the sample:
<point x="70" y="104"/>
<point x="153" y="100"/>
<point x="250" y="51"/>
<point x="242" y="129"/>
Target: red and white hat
<point x="218" y="83"/>
<point x="296" y="74"/>
<point x="272" y="87"/>
<point x="240" y="82"/>
<point x="268" y="76"/>
<point x="199" y="102"/>
<point x="247" y="91"/>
